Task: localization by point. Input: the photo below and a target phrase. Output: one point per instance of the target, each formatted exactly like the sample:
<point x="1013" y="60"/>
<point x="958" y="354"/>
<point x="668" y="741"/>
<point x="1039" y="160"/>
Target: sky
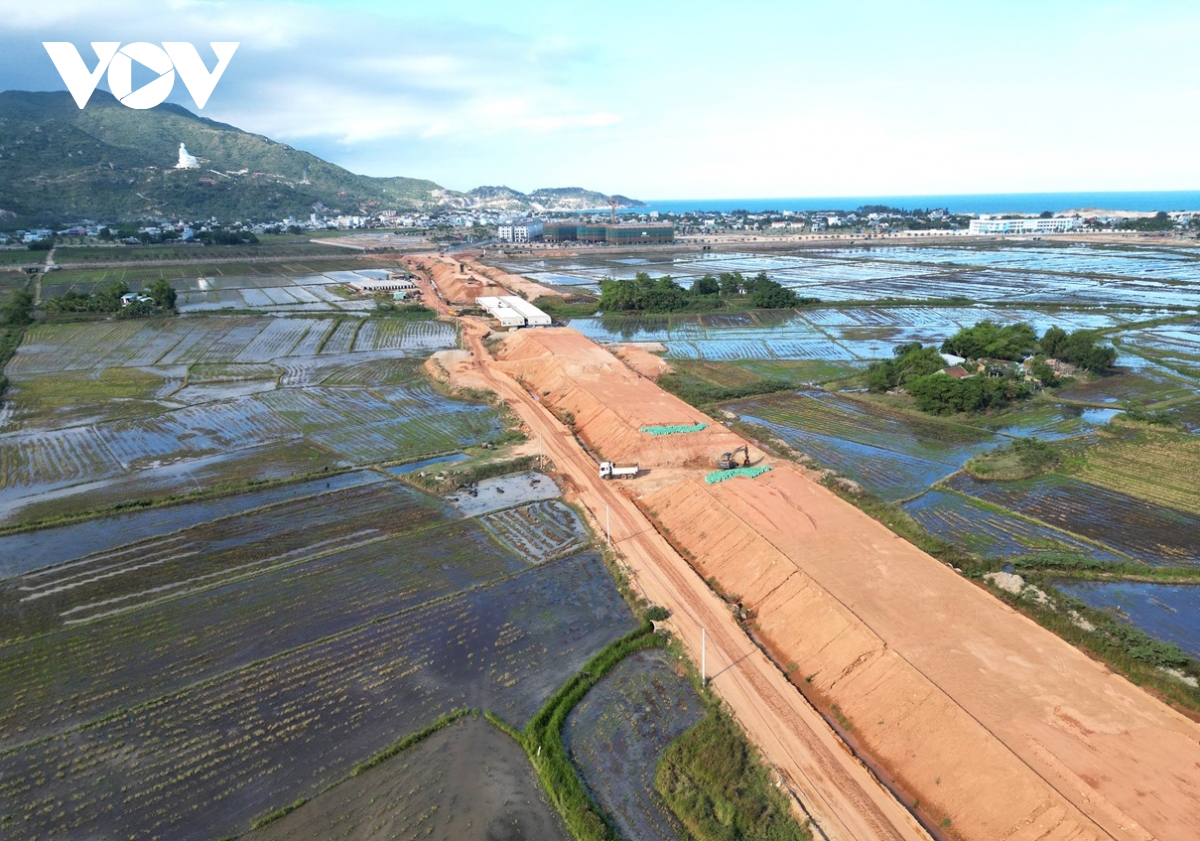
<point x="680" y="100"/>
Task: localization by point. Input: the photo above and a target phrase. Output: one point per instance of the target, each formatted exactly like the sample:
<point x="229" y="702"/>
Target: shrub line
<point x="542" y="738"/>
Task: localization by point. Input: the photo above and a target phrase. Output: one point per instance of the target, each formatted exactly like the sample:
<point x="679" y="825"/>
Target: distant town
<point x="625" y="228"/>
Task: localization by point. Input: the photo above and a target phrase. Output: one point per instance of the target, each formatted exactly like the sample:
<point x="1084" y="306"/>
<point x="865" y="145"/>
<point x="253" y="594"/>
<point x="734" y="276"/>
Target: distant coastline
<point x="976" y="203"/>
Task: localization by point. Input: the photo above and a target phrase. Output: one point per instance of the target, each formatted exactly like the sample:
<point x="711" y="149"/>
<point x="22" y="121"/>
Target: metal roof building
<point x="512" y="311"/>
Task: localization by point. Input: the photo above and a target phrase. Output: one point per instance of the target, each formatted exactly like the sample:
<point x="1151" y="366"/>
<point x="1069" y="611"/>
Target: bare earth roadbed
<point x="991" y="721"/>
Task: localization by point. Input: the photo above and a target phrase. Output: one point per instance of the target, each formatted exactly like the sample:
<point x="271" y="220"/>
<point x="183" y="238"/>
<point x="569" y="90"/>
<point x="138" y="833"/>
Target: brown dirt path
<point x="843" y="798"/>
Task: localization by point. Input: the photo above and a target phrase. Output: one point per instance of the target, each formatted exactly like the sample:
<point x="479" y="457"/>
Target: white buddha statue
<point x="186" y="161"/>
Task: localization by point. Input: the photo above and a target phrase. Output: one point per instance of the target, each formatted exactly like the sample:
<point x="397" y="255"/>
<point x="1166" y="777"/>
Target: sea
<point x="966" y="203"/>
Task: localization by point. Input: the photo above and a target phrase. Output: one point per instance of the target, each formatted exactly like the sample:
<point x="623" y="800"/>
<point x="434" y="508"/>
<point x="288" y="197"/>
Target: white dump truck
<point x="610" y="470"/>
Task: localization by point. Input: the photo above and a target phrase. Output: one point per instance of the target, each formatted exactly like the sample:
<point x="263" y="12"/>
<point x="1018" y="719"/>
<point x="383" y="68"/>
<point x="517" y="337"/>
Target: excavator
<point x="728" y="461"/>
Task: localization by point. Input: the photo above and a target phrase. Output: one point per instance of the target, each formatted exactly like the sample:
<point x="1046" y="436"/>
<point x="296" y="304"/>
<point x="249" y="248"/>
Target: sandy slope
<point x="845" y="801"/>
<point x="988" y="719"/>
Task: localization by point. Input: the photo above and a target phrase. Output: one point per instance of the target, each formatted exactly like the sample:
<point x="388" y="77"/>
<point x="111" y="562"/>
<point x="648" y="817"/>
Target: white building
<point x="1054" y="225"/>
<point x="512" y="311"/>
<point x="520" y="231"/>
<point x="378" y="280"/>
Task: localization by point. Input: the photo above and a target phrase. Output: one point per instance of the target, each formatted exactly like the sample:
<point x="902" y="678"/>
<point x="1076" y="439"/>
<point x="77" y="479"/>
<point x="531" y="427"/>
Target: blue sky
<point x="689" y="100"/>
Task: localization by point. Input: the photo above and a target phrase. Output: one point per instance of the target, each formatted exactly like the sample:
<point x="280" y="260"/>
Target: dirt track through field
<point x="998" y="726"/>
<point x="845" y="801"/>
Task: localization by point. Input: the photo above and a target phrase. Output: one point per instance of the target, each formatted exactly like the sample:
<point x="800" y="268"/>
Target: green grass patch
<point x="717" y="787"/>
<point x="556" y="306"/>
<point x="1019" y="459"/>
<point x="700" y="390"/>
<point x="85" y="390"/>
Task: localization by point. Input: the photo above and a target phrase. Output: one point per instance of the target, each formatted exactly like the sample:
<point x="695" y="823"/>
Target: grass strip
<point x="542" y="738"/>
<point x="711" y="779"/>
<point x="1080" y="567"/>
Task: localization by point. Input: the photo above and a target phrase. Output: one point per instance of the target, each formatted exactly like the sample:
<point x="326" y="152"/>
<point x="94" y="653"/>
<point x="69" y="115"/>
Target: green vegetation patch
<point x="91" y="394"/>
<point x="702" y="384"/>
<point x="1021" y="459"/>
<point x="720" y="791"/>
<point x="1156" y="464"/>
<point x="663" y="294"/>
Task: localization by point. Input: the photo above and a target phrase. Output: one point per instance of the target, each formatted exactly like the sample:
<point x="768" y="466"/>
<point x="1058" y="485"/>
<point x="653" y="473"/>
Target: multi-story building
<point x="520" y="231"/>
<point x="625" y="233"/>
<point x="1054" y="225"/>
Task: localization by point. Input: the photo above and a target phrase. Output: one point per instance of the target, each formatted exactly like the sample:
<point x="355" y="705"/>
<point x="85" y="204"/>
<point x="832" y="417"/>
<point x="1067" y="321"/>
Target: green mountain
<point x="111" y="163"/>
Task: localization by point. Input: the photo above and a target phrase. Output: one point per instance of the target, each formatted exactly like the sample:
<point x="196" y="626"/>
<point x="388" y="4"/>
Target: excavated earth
<point x="461" y="280"/>
<point x="998" y="727"/>
<point x="609" y="403"/>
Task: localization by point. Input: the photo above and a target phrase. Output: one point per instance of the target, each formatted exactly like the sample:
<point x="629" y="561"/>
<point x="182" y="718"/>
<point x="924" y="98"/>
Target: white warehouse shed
<point x="512" y="311"/>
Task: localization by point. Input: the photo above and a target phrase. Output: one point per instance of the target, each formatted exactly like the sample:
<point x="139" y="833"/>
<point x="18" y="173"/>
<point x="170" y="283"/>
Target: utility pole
<point x="608" y="524"/>
<point x="703" y="657"/>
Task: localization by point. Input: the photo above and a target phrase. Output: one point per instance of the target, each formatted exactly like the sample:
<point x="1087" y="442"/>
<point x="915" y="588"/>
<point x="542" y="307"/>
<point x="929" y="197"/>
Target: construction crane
<point x="728" y="461"/>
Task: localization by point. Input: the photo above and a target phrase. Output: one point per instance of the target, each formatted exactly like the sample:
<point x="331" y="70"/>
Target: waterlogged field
<point x="185" y="671"/>
<point x="1080" y="275"/>
<point x="161" y="399"/>
<point x="1169" y="612"/>
<point x="206" y="759"/>
<point x="893" y="454"/>
<point x="984" y="530"/>
<point x="1143" y="531"/>
<point x="292" y="293"/>
<point x="859" y="335"/>
<point x="618" y="733"/>
<point x="539" y="531"/>
<point x="469" y="782"/>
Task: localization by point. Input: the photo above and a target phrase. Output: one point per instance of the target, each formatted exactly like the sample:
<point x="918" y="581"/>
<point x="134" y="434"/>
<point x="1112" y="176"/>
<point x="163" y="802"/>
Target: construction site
<point x="896" y="698"/>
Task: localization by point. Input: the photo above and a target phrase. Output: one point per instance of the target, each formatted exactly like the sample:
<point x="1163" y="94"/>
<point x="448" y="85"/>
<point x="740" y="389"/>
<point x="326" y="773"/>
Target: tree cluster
<point x="907" y="363"/>
<point x="106" y="298"/>
<point x="17" y="311"/>
<point x="939" y="394"/>
<point x="988" y="340"/>
<point x="661" y="295"/>
<point x="227" y="238"/>
<point x="1078" y="348"/>
<point x="1158" y="222"/>
<point x="918" y="369"/>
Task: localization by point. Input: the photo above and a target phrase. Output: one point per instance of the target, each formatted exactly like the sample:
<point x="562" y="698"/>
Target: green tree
<point x="731" y="283"/>
<point x="18" y="310"/>
<point x="1053" y="341"/>
<point x="988" y="340"/>
<point x="1080" y="348"/>
<point x="707" y="285"/>
<point x="163" y="294"/>
<point x="773" y="296"/>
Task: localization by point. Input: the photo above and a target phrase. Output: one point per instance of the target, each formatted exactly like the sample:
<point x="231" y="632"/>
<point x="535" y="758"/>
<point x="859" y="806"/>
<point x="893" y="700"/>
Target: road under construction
<point x="917" y="683"/>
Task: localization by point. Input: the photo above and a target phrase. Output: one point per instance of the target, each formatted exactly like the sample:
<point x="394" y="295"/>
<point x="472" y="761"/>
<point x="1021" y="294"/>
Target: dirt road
<point x="841" y="796"/>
